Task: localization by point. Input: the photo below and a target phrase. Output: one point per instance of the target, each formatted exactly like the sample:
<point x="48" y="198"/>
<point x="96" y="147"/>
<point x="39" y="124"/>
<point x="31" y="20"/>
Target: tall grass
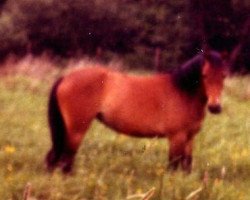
<point x="113" y="166"/>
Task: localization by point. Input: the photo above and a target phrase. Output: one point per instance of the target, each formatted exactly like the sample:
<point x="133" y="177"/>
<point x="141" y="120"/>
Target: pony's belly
<point x="130" y="127"/>
<point x="152" y="123"/>
<point x="149" y="128"/>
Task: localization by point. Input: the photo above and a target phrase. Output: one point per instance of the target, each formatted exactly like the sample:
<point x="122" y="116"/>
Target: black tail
<point x="57" y="128"/>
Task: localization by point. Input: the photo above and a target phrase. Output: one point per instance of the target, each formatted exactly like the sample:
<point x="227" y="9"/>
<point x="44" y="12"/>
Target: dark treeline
<point x="149" y="33"/>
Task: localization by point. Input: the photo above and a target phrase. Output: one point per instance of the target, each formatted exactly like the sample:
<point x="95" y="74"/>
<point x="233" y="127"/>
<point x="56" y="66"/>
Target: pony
<point x="169" y="105"/>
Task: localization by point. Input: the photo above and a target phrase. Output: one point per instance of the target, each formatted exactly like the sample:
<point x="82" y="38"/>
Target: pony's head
<point x="213" y="75"/>
<point x="207" y="71"/>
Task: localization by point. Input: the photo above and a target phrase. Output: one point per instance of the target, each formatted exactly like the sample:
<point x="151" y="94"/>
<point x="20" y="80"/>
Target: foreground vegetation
<point x="111" y="166"/>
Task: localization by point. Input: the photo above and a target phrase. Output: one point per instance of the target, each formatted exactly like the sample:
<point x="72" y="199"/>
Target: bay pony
<point x="170" y="105"/>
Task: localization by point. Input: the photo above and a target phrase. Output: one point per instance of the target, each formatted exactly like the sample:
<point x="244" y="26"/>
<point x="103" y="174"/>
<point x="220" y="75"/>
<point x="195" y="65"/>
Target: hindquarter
<point x="79" y="96"/>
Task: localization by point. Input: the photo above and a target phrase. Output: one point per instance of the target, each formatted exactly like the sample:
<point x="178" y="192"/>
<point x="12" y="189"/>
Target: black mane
<point x="188" y="76"/>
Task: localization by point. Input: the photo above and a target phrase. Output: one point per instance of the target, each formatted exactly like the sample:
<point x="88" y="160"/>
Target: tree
<point x="144" y="33"/>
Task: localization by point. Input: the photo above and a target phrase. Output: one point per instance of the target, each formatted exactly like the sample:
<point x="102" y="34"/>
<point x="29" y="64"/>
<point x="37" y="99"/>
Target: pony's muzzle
<point x="215" y="109"/>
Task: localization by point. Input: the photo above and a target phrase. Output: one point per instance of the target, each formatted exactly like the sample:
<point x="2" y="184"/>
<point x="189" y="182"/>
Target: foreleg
<point x="176" y="150"/>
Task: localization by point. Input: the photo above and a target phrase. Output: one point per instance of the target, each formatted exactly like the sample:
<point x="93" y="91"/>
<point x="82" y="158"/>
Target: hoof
<point x="51" y="161"/>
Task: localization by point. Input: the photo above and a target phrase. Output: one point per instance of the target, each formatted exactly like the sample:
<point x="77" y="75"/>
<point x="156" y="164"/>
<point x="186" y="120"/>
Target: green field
<point x="113" y="167"/>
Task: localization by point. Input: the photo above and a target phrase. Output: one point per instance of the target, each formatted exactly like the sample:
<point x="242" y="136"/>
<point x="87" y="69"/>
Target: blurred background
<point x="41" y="40"/>
<point x="151" y="34"/>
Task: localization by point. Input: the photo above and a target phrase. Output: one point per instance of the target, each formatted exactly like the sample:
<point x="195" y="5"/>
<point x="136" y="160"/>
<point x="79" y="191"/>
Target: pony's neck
<point x="188" y="77"/>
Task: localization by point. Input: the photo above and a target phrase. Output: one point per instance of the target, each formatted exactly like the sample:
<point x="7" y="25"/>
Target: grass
<point x="113" y="167"/>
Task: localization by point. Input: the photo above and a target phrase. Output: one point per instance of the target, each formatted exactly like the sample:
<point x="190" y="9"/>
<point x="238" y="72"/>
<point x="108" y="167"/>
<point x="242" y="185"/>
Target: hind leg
<point x="79" y="99"/>
<point x="52" y="159"/>
<point x="73" y="140"/>
<point x="64" y="157"/>
<point x="77" y="120"/>
<point x="58" y="140"/>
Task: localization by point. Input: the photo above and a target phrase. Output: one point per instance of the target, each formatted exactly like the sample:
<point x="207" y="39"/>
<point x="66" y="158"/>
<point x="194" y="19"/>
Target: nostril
<point x="215" y="109"/>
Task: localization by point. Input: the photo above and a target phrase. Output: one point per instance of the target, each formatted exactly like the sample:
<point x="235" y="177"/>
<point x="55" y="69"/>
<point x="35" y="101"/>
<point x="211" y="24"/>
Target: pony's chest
<point x="183" y="115"/>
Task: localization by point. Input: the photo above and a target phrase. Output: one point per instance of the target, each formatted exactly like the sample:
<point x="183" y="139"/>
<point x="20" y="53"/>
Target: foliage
<point x="62" y="27"/>
<point x="133" y="30"/>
